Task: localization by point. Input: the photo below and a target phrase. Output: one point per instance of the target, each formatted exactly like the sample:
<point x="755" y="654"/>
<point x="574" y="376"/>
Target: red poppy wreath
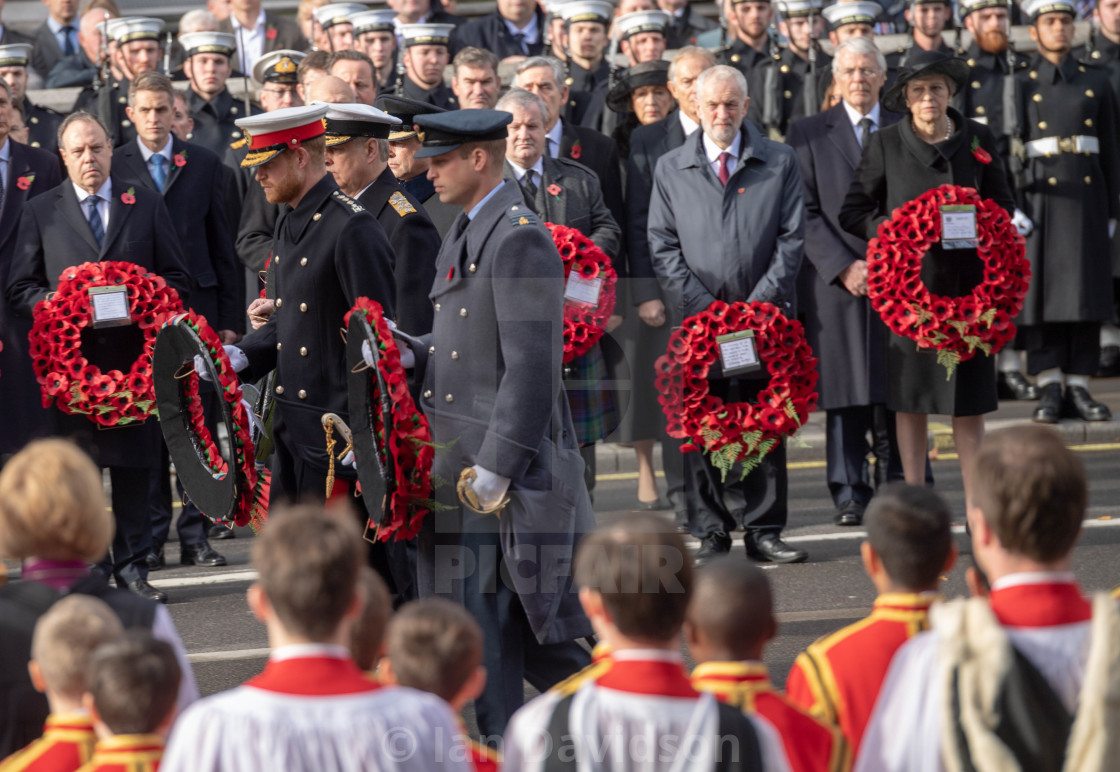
<point x="956" y="328"/>
<point x="66" y="378"/>
<point x="251" y="507"/>
<point x="409" y="438"/>
<point x="584" y="322"/>
<point x="737" y="432"/>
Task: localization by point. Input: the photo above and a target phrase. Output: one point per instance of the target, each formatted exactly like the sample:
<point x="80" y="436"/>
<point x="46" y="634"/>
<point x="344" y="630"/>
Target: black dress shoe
<point x="652" y="506"/>
<point x="201" y="554"/>
<point x="155" y="561"/>
<point x="712" y="546"/>
<point x="1049" y="408"/>
<point x="219" y="532"/>
<point x="1079" y="404"/>
<point x="144" y="590"/>
<point x="771" y="549"/>
<point x="1110" y="362"/>
<point x="850" y="513"/>
<point x="1014" y="386"/>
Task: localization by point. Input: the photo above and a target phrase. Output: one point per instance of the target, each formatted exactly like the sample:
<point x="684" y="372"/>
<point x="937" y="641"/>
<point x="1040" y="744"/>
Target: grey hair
<point x="690" y="52"/>
<point x="522" y="98"/>
<point x="859" y="47"/>
<point x="198" y="20"/>
<point x="382" y="149"/>
<point x="7" y="89"/>
<point x="722" y="72"/>
<point x="552" y="63"/>
<point x="79" y="117"/>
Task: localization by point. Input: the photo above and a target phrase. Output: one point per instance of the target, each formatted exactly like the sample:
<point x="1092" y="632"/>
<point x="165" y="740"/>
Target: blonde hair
<point x="66" y="636"/>
<point x="52" y="504"/>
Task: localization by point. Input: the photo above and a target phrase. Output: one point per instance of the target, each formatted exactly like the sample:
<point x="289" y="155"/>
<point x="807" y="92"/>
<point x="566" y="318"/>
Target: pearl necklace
<point x="948" y="129"/>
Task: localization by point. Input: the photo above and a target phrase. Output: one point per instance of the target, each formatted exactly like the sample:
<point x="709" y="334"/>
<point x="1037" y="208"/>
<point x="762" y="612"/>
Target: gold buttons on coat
<point x="427" y="394"/>
<point x="454" y="354"/>
<point x="1052" y="181"/>
<point x="787" y="94"/>
<point x="276" y="259"/>
<point x="449" y="398"/>
<point x="463" y="312"/>
<point x="303" y="351"/>
<point x="1042" y="125"/>
<point x="317" y="216"/>
<point x="785" y="68"/>
<point x="431" y="350"/>
<point x="1089" y="93"/>
<point x="1033" y="74"/>
<point x="976" y="84"/>
<point x="473" y="268"/>
<point x="1088" y="180"/>
<point x="980" y="110"/>
<point x="279" y="302"/>
<point x="436" y="306"/>
<point x="1089" y="122"/>
<point x="302" y="306"/>
<point x="302" y="394"/>
<point x="303" y="261"/>
<point x="279" y="345"/>
<point x="279" y="389"/>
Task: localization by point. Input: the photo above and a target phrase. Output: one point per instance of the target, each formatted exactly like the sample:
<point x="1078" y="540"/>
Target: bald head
<point x="330" y="89"/>
<point x="732" y="610"/>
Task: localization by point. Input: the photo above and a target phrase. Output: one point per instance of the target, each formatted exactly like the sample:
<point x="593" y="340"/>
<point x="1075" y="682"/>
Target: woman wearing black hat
<point x="901" y="162"/>
<point x="641" y="97"/>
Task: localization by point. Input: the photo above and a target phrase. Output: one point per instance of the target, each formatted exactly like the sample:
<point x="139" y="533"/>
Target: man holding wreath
<point x="726" y="222"/>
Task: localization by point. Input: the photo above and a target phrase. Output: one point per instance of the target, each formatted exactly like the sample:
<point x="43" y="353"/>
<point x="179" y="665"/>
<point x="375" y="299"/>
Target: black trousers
<point x="1072" y="347"/>
<point x="757" y="502"/>
<point x="512" y="654"/>
<point x="132" y="539"/>
<point x="191" y="525"/>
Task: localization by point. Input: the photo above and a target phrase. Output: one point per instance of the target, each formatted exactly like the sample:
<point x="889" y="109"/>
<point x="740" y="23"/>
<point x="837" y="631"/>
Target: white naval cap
<point x="1032" y="9"/>
<point x="129" y="28"/>
<point x="791" y="9"/>
<point x="858" y="12"/>
<point x="641" y="21"/>
<point x="587" y="10"/>
<point x="347" y="121"/>
<point x="328" y="16"/>
<point x="15" y="54"/>
<point x="374" y="21"/>
<point x="270" y="134"/>
<point x="426" y="34"/>
<point x="280" y="66"/>
<point x="208" y="43"/>
<point x="965" y="7"/>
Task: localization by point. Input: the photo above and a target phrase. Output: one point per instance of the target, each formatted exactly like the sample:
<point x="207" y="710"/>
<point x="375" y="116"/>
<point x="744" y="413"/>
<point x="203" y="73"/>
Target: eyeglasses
<point x="867" y="72"/>
<point x="280" y="92"/>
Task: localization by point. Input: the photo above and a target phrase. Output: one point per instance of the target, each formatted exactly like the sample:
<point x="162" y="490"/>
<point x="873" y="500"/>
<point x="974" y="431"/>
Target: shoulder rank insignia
<point x="239" y="143"/>
<point x="353" y="205"/>
<point x="399" y="202"/>
<point x="520" y="216"/>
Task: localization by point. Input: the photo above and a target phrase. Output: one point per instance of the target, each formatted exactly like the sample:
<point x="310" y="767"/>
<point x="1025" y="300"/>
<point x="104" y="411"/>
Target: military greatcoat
<point x="328" y="252"/>
<point x="1071" y="195"/>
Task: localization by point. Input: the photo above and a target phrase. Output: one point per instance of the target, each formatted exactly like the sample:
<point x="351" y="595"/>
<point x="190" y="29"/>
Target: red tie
<point x="724" y="171"/>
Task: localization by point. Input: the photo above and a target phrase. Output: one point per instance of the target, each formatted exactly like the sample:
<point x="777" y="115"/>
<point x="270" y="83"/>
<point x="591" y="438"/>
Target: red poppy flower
<point x="24" y="183"/>
<point x="554" y="190"/>
<point x="576" y="151"/>
<point x="127" y="199"/>
<point x="270" y="33"/>
<point x="180" y="160"/>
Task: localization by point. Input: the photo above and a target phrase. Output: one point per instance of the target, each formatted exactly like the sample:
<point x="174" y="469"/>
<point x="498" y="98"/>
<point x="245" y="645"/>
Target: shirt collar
<point x="256" y="27"/>
<point x="304" y="650"/>
<point x="6" y="151"/>
<point x="105" y="191"/>
<point x="646" y="655"/>
<point x="165" y="151"/>
<point x="854" y="116"/>
<point x="520" y="172"/>
<point x="531" y="31"/>
<point x="687" y="123"/>
<point x="55" y="25"/>
<point x="1034" y="577"/>
<point x="478" y="207"/>
<point x="556" y="133"/>
<point x="712" y="150"/>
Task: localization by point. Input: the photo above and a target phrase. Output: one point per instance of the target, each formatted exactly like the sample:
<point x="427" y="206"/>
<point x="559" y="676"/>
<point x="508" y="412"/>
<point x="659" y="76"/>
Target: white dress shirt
<point x="520" y="172"/>
<point x="687" y="123"/>
<point x="854" y="116"/>
<point x="554" y="136"/>
<point x="56" y="26"/>
<point x="106" y="193"/>
<point x="165" y="151"/>
<point x="250" y="42"/>
<point x="531" y="31"/>
<point x="713" y="151"/>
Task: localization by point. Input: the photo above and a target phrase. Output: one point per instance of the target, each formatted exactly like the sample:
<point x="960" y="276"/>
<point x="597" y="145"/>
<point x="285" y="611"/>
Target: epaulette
<point x="239" y="143"/>
<point x="347" y="202"/>
<point x="47" y="110"/>
<point x="399" y="201"/>
<point x="592" y="672"/>
<point x="519" y="215"/>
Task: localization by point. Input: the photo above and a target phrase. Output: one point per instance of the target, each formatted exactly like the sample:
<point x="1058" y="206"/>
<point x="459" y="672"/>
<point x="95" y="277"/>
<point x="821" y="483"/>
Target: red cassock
<point x="66" y="744"/>
<point x="838" y="677"/>
<point x="810" y="745"/>
<point x="126" y="753"/>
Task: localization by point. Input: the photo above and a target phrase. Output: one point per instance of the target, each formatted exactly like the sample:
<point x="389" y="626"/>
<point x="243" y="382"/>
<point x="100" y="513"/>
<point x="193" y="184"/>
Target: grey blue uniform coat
<point x="739" y="242"/>
<point x="847" y="336"/>
<point x="493" y="395"/>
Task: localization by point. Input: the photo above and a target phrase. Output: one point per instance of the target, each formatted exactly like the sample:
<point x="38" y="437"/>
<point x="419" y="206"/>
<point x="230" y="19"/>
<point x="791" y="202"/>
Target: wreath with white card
<point x="589" y="290"/>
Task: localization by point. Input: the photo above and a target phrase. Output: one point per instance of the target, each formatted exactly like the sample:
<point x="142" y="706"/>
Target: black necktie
<point x="94" y="219"/>
<point x="519" y="39"/>
<point x="461" y="224"/>
<point x="864" y="131"/>
<point x="68" y="47"/>
<point x="529" y="186"/>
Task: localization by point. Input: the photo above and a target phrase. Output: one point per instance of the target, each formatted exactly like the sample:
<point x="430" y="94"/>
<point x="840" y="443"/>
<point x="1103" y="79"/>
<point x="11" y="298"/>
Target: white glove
<point x="408" y="359"/>
<point x="236" y="356"/>
<point x="349" y="460"/>
<point x="1111" y="228"/>
<point x="489" y="487"/>
<point x="255" y="423"/>
<point x="1022" y="223"/>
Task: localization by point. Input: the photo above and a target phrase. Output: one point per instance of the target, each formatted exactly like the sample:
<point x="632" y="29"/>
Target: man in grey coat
<point x="503" y="542"/>
<point x="726" y="222"/>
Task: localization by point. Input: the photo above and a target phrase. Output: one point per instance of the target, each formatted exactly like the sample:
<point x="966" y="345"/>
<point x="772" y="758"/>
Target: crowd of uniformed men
<point x="429" y="198"/>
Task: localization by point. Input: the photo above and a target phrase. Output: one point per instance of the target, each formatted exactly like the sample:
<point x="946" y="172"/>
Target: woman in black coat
<point x="932" y="147"/>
